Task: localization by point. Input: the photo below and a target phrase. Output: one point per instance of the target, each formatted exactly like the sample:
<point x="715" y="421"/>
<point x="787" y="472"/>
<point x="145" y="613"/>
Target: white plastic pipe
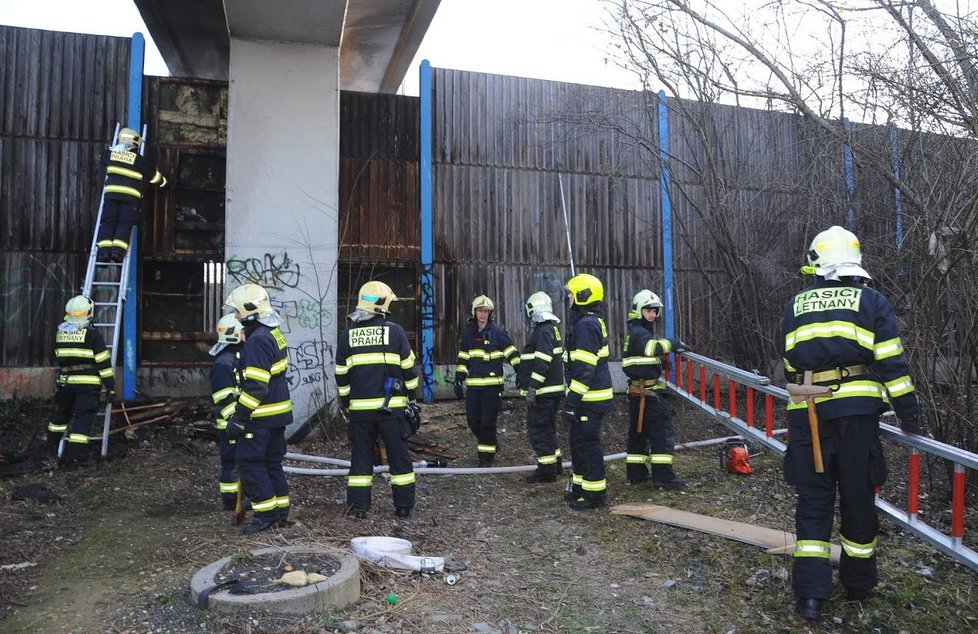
<point x="420" y="467"/>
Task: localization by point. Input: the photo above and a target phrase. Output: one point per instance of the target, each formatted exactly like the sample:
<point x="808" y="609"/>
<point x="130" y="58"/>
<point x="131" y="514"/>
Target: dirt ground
<point x="116" y="550"/>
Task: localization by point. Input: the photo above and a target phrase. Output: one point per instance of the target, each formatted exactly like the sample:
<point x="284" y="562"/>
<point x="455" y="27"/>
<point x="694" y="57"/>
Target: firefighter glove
<point x="235" y="428"/>
<point x="459" y="389"/>
<point x="413" y="414"/>
<point x="531" y="397"/>
<point x="679" y="346"/>
<point x="912" y="425"/>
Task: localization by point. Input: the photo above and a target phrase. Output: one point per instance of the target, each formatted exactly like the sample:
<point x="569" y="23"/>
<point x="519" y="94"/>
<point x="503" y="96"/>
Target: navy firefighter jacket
<point x="264" y="398"/>
<point x="370" y="357"/>
<point x="481" y="354"/>
<point x="542" y="363"/>
<point x="586" y="370"/>
<point x="225" y="384"/>
<point x="642" y="354"/>
<point x="84" y="362"/>
<point x="124" y="174"/>
<point x="846" y="333"/>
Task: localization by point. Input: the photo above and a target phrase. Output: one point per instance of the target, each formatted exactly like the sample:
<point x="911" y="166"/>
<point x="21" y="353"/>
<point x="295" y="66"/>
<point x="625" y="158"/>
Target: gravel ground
<point x="116" y="550"/>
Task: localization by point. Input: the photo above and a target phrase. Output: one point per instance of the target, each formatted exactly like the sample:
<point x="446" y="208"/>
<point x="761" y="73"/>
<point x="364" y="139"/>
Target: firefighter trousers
<point x="228" y="477"/>
<point x="115" y="227"/>
<point x="259" y="453"/>
<point x="75" y="408"/>
<point x="481" y="412"/>
<point x="654" y="445"/>
<point x="363" y="439"/>
<point x="587" y="454"/>
<point x="541" y="430"/>
<point x="854" y="466"/>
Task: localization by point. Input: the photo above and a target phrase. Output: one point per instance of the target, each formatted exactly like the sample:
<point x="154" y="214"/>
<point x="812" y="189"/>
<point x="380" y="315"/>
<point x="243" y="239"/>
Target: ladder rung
<point x="109" y="263"/>
<point x="106" y="304"/>
<point x="105" y="325"/>
<point x="105" y="283"/>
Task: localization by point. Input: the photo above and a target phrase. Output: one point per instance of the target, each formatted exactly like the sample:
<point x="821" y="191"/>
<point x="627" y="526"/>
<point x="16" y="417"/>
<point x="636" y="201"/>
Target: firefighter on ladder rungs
<point x="123" y="193"/>
<point x="841" y="336"/>
<point x="83" y="369"/>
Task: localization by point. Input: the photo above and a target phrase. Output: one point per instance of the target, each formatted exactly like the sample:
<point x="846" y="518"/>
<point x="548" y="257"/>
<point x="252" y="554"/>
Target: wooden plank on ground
<point x="772" y="540"/>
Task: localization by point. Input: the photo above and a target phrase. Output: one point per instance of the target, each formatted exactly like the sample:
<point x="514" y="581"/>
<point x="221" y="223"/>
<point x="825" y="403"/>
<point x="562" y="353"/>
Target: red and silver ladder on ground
<point x="106" y="284"/>
<point x="691" y="377"/>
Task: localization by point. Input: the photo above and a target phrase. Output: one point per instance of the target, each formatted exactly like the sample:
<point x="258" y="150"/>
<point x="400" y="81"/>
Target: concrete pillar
<point x="282" y="199"/>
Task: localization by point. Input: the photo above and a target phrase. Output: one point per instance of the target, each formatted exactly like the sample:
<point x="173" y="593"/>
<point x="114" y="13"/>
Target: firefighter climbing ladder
<point x="106" y="284"/>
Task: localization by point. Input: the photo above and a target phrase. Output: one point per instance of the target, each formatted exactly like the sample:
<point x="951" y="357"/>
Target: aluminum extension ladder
<point x="106" y="284"/>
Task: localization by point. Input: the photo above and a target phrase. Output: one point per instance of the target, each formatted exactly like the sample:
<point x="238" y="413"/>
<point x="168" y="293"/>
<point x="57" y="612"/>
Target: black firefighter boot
<point x="544" y="473"/>
<point x="261" y="522"/>
<point x="485" y="459"/>
<point x="666" y="479"/>
<point x="586" y="502"/>
<point x="810" y="609"/>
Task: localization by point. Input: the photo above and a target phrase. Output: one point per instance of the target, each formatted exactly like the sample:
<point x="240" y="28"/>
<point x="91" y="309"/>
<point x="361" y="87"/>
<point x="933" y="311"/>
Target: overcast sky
<point x="544" y="39"/>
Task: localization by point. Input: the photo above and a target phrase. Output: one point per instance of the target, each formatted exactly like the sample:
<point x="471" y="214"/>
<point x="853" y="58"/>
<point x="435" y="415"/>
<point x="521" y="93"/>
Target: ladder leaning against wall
<point x="106" y="284"/>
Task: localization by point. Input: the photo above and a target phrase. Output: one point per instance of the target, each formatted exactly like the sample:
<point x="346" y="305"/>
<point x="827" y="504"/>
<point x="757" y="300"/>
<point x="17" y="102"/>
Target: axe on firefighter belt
<point x="640" y="393"/>
<point x="807" y="392"/>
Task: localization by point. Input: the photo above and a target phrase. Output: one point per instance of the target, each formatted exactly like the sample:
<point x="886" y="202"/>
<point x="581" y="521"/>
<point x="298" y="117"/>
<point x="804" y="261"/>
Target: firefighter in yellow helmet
<point x="225" y="378"/>
<point x="263" y="409"/>
<point x="482" y="349"/>
<point x="125" y="172"/>
<point x="378" y="385"/>
<point x="651" y="433"/>
<point x="589" y="391"/>
<point x="846" y="334"/>
<point x="84" y="368"/>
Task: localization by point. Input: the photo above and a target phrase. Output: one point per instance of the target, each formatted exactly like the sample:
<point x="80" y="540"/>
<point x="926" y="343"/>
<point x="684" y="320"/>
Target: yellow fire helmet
<point x="375" y="297"/>
<point x="585" y="289"/>
<point x="250" y="300"/>
<point x="835" y="252"/>
<point x="79" y="310"/>
<point x="482" y="301"/>
<point x="229" y="330"/>
<point x="130" y="137"/>
<point x="644" y="299"/>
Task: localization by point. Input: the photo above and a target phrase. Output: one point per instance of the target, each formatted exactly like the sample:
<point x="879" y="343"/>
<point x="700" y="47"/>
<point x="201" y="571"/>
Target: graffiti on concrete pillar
<point x="271" y="271"/>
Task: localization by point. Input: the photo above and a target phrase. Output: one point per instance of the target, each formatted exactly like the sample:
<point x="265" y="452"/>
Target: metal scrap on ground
<point x="774" y="541"/>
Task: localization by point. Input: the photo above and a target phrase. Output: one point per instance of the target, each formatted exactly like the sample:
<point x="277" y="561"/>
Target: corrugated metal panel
<point x="61" y="95"/>
<point x="62" y="85"/>
<point x="379" y="200"/>
<point x="379" y="203"/>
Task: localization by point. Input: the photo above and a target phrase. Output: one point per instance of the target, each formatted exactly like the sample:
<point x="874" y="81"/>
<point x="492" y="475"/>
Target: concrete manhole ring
<point x="340" y="589"/>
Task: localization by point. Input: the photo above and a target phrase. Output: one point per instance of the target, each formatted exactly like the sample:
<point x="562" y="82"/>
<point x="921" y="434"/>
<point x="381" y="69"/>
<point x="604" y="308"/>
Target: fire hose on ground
<point x="422" y="466"/>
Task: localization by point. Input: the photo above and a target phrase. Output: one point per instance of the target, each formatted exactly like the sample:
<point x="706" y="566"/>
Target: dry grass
<point x="117" y="552"/>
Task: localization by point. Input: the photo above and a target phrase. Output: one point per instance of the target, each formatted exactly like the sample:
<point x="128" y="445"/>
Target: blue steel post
<point x="665" y="203"/>
<point x="427" y="242"/>
<point x="133" y="120"/>
<point x="850" y="173"/>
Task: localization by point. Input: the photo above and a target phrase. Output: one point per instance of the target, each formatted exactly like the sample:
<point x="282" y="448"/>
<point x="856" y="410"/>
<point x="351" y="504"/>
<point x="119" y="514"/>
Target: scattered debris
<point x="299" y="578"/>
